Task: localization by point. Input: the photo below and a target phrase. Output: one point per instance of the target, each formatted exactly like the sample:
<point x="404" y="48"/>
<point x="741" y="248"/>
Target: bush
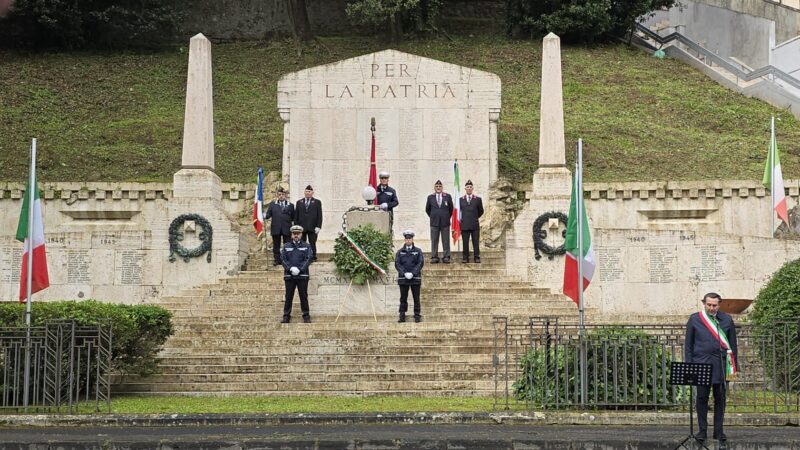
<point x="577" y="21"/>
<point x="377" y="245"/>
<point x="395" y="17"/>
<point x="90" y="23"/>
<point x="139" y="331"/>
<point x="775" y="313"/>
<point x="606" y="362"/>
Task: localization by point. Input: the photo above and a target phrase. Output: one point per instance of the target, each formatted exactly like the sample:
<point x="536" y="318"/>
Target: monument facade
<point x="428" y="113"/>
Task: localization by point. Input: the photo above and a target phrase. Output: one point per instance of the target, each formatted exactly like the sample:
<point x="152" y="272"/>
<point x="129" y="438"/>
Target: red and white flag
<point x="39" y="276"/>
<point x="258" y="204"/>
<point x="373" y="174"/>
<point x="773" y="179"/>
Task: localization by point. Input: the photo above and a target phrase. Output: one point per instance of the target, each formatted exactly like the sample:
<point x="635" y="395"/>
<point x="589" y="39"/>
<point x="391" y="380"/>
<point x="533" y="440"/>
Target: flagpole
<point x="579" y="211"/>
<point x="772" y="175"/>
<point x="29" y="278"/>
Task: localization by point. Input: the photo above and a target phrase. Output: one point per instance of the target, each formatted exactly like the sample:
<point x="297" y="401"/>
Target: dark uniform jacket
<point x="308" y="218"/>
<point x="440" y="215"/>
<point x="702" y="347"/>
<point x="389" y="196"/>
<point x="281" y="216"/>
<point x="296" y="255"/>
<point x="409" y="261"/>
<point x="470" y="213"/>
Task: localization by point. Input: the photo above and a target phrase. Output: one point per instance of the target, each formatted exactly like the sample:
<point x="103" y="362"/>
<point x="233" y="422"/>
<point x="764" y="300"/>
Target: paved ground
<point x="386" y="436"/>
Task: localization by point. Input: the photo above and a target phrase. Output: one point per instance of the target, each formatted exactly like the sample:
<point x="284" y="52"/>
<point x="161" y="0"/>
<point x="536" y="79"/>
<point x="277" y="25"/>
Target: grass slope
<point x="120" y="116"/>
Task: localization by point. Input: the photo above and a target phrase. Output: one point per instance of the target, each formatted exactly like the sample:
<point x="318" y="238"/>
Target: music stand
<point x="690" y="374"/>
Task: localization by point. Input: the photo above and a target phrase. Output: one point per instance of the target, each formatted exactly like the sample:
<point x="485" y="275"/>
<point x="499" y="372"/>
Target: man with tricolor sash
<point x="711" y="339"/>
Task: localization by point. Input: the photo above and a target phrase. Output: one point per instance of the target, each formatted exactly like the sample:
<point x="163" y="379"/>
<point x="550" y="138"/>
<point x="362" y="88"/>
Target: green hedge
<point x="139" y="331"/>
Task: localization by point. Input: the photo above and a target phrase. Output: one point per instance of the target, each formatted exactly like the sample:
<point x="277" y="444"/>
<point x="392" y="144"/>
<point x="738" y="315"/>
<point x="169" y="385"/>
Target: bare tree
<point x="298" y="16"/>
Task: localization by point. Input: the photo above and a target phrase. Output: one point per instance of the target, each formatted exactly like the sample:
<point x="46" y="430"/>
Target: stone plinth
<point x="331" y="292"/>
<point x="428" y="113"/>
<point x="196" y="184"/>
<point x="377" y="218"/>
<point x="198" y="130"/>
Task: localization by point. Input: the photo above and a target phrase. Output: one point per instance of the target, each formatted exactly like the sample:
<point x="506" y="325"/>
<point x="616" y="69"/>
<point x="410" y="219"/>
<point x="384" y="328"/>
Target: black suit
<point x="702" y="347"/>
<point x="309" y="216"/>
<point x="471" y="211"/>
<point x="440" y="212"/>
<point x="282" y="214"/>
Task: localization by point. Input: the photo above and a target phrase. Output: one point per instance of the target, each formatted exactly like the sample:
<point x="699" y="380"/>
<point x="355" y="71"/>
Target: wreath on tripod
<point x="539" y="235"/>
<point x="176" y="236"/>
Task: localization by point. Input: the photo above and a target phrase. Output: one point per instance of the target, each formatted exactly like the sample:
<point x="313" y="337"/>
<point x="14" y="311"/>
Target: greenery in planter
<point x="377" y="245"/>
<point x="775" y="314"/>
<point x="139" y="331"/>
<point x="541" y="365"/>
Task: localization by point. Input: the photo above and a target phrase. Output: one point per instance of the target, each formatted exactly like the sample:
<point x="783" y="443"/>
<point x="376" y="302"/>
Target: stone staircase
<point x="228" y="339"/>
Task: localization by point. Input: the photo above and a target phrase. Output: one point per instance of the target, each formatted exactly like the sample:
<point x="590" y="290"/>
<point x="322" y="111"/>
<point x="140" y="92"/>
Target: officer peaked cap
<point x="309" y="188"/>
<point x="296" y="229"/>
<point x="408" y="234"/>
<point x="468" y="183"/>
<point x="281" y="189"/>
<point x="438" y="183"/>
<point x="383" y="175"/>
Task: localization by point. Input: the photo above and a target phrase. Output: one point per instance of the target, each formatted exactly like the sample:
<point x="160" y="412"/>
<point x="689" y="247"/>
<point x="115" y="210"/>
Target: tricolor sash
<point x="719" y="334"/>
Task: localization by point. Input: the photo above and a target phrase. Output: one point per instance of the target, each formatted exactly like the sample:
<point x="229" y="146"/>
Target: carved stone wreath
<point x="176" y="236"/>
<point x="539" y="235"/>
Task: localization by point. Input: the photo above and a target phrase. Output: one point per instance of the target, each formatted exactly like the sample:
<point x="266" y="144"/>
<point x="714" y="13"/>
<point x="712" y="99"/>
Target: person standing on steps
<point x="281" y="211"/>
<point x="296" y="257"/>
<point x="711" y="339"/>
<point x="409" y="261"/>
<point x="471" y="211"/>
<point x="387" y="197"/>
<point x="308" y="214"/>
<point x="439" y="207"/>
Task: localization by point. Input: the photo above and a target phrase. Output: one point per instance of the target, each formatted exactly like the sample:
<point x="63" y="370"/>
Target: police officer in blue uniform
<point x="387" y="197"/>
<point x="296" y="257"/>
<point x="409" y="261"/>
<point x="701" y="346"/>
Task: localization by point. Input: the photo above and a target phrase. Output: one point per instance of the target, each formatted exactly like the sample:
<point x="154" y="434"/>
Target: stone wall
<point x="787" y="19"/>
<point x="109" y="241"/>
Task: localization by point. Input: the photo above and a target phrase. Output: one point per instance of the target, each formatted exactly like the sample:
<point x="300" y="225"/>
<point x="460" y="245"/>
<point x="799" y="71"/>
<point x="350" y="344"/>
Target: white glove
<point x="316" y="230"/>
<point x="409" y="275"/>
<point x="295" y="271"/>
<point x="384" y="206"/>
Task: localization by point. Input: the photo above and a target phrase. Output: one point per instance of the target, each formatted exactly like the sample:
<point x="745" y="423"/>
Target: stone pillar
<point x="551" y="121"/>
<point x="285" y="114"/>
<point x="494" y="117"/>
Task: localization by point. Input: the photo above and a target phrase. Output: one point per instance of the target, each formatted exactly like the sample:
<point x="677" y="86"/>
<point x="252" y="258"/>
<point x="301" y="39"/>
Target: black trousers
<point x="311" y="238"/>
<point x="277" y="245"/>
<point x="302" y="288"/>
<point x="404" y="299"/>
<point x="475" y="235"/>
<point x="719" y="407"/>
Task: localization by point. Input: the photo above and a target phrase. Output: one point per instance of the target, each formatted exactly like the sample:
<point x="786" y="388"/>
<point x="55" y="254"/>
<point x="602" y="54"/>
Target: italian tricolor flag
<point x="39" y="277"/>
<point x="456" y="218"/>
<point x="773" y="179"/>
<point x="571" y="245"/>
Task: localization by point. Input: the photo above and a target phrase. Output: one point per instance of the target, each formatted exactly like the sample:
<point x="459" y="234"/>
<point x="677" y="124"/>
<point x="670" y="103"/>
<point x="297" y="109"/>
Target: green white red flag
<point x="456" y="219"/>
<point x="585" y="255"/>
<point x="39" y="276"/>
<point x="773" y="179"/>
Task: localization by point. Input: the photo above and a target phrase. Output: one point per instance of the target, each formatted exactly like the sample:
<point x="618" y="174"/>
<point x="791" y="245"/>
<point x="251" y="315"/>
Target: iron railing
<point x="69" y="367"/>
<point x="537" y="365"/>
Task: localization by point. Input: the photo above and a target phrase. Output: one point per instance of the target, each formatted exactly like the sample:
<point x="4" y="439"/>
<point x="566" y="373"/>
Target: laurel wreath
<point x="539" y="235"/>
<point x="176" y="236"/>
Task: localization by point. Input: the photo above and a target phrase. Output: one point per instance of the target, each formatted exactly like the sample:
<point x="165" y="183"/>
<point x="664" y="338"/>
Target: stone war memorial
<point x="660" y="245"/>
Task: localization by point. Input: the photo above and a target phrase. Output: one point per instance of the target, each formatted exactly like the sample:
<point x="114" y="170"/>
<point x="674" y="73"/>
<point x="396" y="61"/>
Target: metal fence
<point x="69" y="368"/>
<point x="537" y="365"/>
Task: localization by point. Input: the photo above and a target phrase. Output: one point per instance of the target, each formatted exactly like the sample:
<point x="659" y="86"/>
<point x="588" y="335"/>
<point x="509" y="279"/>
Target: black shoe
<point x="701" y="436"/>
<point x="276" y="263"/>
<point x="417" y="319"/>
<point x="306" y="319"/>
<point x="435" y="260"/>
<point x="721" y="437"/>
<point x="402" y="319"/>
<point x="286" y="320"/>
<point x="477" y="260"/>
<point x="446" y="260"/>
<point x="465" y="260"/>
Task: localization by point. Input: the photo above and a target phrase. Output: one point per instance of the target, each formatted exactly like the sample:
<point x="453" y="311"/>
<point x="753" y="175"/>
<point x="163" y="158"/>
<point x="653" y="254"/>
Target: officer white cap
<point x="383" y="174"/>
<point x="408" y="234"/>
<point x="296" y="229"/>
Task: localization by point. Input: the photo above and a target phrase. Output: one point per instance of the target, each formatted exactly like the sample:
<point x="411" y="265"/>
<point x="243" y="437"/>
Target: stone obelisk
<point x="551" y="181"/>
<point x="197" y="179"/>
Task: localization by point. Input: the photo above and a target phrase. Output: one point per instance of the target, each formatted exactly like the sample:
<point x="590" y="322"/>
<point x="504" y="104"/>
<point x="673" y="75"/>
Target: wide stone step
<point x="199" y="339"/>
<point x="353" y="387"/>
<point x="313" y="377"/>
<point x="388" y="366"/>
<point x="181" y="358"/>
<point x="121" y="390"/>
<point x="257" y="347"/>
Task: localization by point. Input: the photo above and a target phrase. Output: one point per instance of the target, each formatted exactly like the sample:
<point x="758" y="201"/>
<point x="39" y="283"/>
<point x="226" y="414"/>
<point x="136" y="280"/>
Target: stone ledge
<point x="101" y="191"/>
<point x="660" y="418"/>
